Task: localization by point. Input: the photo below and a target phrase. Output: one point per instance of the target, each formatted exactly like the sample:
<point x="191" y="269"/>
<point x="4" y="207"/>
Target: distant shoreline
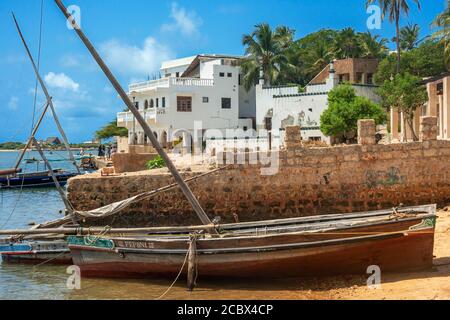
<point x="47" y="150"/>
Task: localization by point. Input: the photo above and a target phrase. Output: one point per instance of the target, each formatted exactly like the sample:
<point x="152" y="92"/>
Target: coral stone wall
<point x="309" y="181"/>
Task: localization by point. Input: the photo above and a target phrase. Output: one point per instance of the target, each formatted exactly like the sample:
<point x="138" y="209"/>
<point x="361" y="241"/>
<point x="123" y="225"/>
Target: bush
<point x="12" y="146"/>
<point x="156" y="163"/>
<point x="344" y="111"/>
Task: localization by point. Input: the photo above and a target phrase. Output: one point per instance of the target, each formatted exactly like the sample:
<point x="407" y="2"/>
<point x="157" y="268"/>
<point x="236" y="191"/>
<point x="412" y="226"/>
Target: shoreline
<point x="46" y="150"/>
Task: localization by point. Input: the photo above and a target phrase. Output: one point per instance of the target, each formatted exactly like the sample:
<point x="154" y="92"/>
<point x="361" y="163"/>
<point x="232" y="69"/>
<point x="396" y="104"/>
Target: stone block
<point x="131" y="162"/>
<point x="293" y="137"/>
<point x="428" y="128"/>
<point x="366" y="132"/>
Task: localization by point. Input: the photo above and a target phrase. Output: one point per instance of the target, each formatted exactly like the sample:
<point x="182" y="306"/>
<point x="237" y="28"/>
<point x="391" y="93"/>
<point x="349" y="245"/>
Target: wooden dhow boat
<point x="325" y="236"/>
<point x="394" y="240"/>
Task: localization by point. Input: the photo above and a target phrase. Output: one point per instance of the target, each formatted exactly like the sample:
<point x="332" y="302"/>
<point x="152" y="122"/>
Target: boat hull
<point x="389" y="254"/>
<point x="37" y="258"/>
<point x="54" y="252"/>
<point x="291" y="255"/>
<point x="44" y="181"/>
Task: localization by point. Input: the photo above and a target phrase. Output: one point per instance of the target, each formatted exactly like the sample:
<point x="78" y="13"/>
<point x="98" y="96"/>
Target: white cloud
<point x="129" y="59"/>
<point x="231" y="9"/>
<point x="185" y="22"/>
<point x="70" y="61"/>
<point x="13" y="103"/>
<point x="61" y="81"/>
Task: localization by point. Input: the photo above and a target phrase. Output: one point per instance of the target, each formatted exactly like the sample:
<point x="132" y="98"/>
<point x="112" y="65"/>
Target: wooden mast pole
<point x="47" y="95"/>
<point x="183" y="186"/>
<point x="69" y="207"/>
<point x="32" y="137"/>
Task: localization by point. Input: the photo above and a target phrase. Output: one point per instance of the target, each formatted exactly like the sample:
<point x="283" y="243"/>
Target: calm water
<point x="18" y="209"/>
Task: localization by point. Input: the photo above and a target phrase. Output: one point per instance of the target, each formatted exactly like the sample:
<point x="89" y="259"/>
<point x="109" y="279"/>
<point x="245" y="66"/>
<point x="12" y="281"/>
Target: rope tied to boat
<point x="192" y="262"/>
<point x="92" y="240"/>
<point x="192" y="245"/>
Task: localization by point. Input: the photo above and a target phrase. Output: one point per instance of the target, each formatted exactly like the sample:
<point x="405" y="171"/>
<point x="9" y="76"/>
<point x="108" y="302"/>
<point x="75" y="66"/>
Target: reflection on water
<point x="49" y="282"/>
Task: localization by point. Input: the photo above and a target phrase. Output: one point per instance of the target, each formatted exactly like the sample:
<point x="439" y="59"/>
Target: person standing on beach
<point x="100" y="150"/>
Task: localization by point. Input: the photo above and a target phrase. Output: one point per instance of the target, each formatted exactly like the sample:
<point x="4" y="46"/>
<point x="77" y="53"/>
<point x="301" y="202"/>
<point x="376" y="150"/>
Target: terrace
<point x="171" y="82"/>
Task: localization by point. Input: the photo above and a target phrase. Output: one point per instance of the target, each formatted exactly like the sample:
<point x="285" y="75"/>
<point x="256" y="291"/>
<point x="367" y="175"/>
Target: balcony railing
<point x="167" y="82"/>
<point x="160" y="83"/>
<point x="149" y="114"/>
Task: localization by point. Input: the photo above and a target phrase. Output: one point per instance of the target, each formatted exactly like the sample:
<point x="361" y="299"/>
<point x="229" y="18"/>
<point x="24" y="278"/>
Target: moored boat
<point x="35" y="179"/>
<point x="39" y="251"/>
<point x="398" y="240"/>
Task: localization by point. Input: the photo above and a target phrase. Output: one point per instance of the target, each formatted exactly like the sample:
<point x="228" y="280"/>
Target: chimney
<point x="333" y="80"/>
<point x="261" y="76"/>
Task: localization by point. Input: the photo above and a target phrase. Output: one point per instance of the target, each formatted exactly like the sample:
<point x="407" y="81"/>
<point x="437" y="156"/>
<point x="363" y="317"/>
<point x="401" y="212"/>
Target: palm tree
<point x="373" y="46"/>
<point x="266" y="51"/>
<point x="320" y="56"/>
<point x="409" y="37"/>
<point x="394" y="8"/>
<point x="346" y="44"/>
<point x="442" y="21"/>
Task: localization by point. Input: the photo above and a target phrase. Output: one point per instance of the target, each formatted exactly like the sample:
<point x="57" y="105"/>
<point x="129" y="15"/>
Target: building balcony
<point x="171" y="82"/>
<point x="148" y="115"/>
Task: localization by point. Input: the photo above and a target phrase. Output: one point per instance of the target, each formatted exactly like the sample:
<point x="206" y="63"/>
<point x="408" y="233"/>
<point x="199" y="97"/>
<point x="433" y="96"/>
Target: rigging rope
<point x="38" y="64"/>
<point x="178" y="276"/>
<point x="17" y="202"/>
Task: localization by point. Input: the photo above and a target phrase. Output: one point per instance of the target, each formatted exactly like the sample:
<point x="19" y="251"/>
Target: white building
<point x="203" y="91"/>
<point x="282" y="106"/>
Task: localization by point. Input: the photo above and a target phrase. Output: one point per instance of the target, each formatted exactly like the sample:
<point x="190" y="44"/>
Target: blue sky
<point x="135" y="36"/>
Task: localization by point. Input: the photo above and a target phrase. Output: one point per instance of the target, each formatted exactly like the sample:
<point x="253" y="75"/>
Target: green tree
<point x="424" y="61"/>
<point x="310" y="55"/>
<point x="404" y="93"/>
<point x="394" y="9"/>
<point x="347" y="44"/>
<point x="344" y="110"/>
<point x="266" y="51"/>
<point x="111" y="130"/>
<point x="442" y="22"/>
<point x="373" y="46"/>
<point x="409" y="37"/>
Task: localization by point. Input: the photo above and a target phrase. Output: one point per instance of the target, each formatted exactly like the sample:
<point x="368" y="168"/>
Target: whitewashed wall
<point x="304" y="110"/>
<point x="288" y="107"/>
<point x="264" y="100"/>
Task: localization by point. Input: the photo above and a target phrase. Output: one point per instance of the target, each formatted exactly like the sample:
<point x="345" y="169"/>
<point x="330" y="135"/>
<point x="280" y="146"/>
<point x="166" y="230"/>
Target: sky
<point x="134" y="37"/>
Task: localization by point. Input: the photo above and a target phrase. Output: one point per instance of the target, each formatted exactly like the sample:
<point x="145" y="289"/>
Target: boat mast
<point x="69" y="207"/>
<point x="47" y="95"/>
<point x="31" y="139"/>
<point x="183" y="186"/>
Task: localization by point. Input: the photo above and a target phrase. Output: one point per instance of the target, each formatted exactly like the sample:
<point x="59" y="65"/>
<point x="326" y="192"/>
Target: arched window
<point x="152" y="104"/>
<point x="146" y="104"/>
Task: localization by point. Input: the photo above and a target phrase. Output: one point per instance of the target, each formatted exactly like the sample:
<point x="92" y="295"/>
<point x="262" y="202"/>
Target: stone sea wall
<point x="309" y="181"/>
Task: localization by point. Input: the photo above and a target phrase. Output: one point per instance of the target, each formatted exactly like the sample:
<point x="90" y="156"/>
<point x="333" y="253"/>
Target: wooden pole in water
<point x="183" y="186"/>
<point x="192" y="264"/>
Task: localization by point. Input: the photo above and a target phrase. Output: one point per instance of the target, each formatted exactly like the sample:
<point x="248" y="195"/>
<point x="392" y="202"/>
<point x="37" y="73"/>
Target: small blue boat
<point x="54" y="251"/>
<point x="35" y="180"/>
